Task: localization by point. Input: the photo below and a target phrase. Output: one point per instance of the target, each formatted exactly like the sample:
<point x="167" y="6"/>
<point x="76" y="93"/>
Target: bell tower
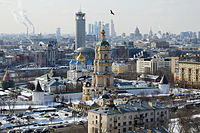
<point x="102" y="76"/>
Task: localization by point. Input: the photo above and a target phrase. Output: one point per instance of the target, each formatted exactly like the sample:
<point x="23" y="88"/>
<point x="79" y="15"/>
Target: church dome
<point x="103" y="41"/>
<point x="80" y="58"/>
<point x="89" y="62"/>
<point x="78" y="63"/>
<point x="72" y="62"/>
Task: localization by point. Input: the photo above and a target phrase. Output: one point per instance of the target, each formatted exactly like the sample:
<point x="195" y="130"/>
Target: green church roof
<point x="103" y="43"/>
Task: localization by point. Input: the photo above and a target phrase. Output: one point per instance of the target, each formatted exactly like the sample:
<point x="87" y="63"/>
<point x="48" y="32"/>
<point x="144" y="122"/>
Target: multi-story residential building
<point x="151" y="65"/>
<point x="127" y="117"/>
<point x="189" y="73"/>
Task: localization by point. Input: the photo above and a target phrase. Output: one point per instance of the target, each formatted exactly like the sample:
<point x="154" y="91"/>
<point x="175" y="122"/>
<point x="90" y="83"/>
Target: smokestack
<point x="33" y="30"/>
<point x="27" y="31"/>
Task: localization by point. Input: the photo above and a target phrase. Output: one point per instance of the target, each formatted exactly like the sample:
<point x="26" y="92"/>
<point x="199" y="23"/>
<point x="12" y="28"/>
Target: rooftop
<point x="131" y="106"/>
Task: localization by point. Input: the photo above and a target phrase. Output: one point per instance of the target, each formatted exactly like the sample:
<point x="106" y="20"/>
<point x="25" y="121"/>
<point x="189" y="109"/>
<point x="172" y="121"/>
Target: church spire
<point x="6" y="76"/>
<point x="103" y="38"/>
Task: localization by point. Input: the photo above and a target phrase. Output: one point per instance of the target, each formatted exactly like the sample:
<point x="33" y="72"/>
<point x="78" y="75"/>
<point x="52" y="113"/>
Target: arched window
<point x="105" y="56"/>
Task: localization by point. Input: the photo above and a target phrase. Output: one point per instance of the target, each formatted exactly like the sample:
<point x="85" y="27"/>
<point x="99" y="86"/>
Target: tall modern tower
<point x="113" y="33"/>
<point x="80" y="30"/>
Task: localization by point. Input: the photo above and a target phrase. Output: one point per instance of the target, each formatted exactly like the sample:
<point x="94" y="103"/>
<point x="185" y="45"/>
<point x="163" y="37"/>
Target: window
<point x="96" y="117"/>
<point x="105" y="56"/>
<point x="151" y="113"/>
<point x="124" y="117"/>
<point x="165" y="112"/>
<point x="118" y="130"/>
<point x="110" y="125"/>
<point x="189" y="74"/>
<point x="182" y="76"/>
<point x="119" y="124"/>
<point x="151" y="119"/>
<point x="130" y="117"/>
<point x="147" y="120"/>
<point x="157" y="113"/>
<point x="110" y="119"/>
<point x="119" y="118"/>
<point x="124" y="130"/>
<point x="96" y="122"/>
<point x="124" y="123"/>
<point x="145" y="114"/>
<point x="92" y="122"/>
<point x="130" y="122"/>
<point x="130" y="129"/>
<point x="197" y="74"/>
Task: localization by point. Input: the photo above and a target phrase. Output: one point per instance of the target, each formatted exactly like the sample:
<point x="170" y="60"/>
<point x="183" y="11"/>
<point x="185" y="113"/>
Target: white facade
<point x="152" y="65"/>
<point x="38" y="97"/>
<point x="164" y="88"/>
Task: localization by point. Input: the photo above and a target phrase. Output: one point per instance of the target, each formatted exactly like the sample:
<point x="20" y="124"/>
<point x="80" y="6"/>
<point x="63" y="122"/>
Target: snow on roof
<point x="3" y="93"/>
<point x="27" y="94"/>
<point x="90" y="102"/>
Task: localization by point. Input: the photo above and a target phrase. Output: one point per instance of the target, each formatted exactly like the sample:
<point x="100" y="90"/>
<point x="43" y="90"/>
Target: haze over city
<point x="165" y="15"/>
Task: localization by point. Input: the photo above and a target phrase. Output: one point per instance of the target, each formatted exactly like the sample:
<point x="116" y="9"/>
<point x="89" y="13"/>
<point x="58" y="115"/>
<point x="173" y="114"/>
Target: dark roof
<point x="131" y="106"/>
<point x="103" y="43"/>
<point x="38" y="88"/>
<point x="164" y="80"/>
<point x="105" y="96"/>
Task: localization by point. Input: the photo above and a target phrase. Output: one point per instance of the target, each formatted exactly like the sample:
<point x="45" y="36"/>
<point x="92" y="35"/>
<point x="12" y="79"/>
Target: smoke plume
<point x="18" y="12"/>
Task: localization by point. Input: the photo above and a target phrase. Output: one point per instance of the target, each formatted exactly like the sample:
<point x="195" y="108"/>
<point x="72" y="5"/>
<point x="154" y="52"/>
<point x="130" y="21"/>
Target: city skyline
<point x="168" y="16"/>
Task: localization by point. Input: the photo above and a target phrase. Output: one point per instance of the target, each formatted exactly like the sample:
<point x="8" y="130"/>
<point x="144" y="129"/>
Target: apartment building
<point x="127" y="117"/>
<point x="151" y="65"/>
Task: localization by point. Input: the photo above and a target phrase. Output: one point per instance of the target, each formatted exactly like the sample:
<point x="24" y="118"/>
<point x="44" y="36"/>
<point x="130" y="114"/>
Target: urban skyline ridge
<point x="159" y="15"/>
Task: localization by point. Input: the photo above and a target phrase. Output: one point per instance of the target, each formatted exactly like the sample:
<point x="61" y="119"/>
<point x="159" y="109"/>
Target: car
<point x="80" y="123"/>
<point x="37" y="130"/>
<point x="11" y="131"/>
<point x="60" y="126"/>
<point x="19" y="115"/>
<point x="45" y="130"/>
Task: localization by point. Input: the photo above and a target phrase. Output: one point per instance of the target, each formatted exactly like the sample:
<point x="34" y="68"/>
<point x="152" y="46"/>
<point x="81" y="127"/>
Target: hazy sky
<point x="165" y="15"/>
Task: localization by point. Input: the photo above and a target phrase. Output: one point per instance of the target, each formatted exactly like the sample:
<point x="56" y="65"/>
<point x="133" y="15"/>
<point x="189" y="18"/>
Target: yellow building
<point x="189" y="74"/>
<point x="87" y="91"/>
<point x="103" y="75"/>
<point x="174" y="67"/>
<point x="119" y="68"/>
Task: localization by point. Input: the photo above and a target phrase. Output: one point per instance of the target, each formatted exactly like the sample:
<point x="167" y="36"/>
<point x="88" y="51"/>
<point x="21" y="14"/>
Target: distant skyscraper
<point x="80" y="30"/>
<point x="95" y="28"/>
<point x="113" y="33"/>
<point x="92" y="29"/>
<point x="199" y="35"/>
<point x="107" y="30"/>
<point x="58" y="34"/>
<point x="137" y="35"/>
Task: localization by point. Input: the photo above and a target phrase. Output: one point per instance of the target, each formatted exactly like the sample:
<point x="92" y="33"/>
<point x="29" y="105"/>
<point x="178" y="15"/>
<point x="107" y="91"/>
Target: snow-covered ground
<point x="41" y="118"/>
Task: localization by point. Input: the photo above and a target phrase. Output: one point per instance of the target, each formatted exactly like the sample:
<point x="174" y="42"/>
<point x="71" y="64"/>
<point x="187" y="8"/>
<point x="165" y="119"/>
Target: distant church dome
<point x="103" y="41"/>
<point x="80" y="58"/>
<point x="89" y="62"/>
<point x="78" y="63"/>
<point x="72" y="62"/>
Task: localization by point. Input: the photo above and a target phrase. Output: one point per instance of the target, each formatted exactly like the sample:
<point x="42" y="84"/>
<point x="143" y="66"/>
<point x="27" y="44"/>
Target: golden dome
<point x="80" y="58"/>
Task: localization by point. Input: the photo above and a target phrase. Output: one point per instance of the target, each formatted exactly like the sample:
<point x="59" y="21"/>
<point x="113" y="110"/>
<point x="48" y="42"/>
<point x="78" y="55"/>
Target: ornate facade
<point x="79" y="68"/>
<point x="103" y="75"/>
